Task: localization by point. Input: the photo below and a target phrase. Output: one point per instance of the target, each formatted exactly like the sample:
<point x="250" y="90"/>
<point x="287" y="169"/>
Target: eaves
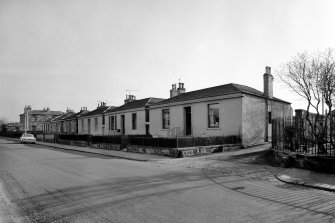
<point x="194" y="101"/>
<point x="125" y="111"/>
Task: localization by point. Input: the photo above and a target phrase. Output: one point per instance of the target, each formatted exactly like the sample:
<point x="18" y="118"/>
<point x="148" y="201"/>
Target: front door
<point x="188" y="121"/>
<point x="147" y="132"/>
<point x="89" y="126"/>
<point x="122" y="125"/>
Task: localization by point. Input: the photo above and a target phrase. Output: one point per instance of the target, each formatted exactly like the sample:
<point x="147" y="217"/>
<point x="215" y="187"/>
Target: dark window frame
<point x="112" y="122"/>
<point x="213" y="119"/>
<point x="166" y="118"/>
<point x="96" y="124"/>
<point x="134" y="121"/>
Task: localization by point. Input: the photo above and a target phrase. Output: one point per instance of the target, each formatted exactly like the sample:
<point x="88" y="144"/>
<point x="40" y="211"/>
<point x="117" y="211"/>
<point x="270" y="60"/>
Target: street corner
<point x="305" y="182"/>
<point x="291" y="180"/>
<point x="323" y="186"/>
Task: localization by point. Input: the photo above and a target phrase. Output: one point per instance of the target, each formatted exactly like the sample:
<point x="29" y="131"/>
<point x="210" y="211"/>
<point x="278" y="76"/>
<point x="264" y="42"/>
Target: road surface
<point x="43" y="184"/>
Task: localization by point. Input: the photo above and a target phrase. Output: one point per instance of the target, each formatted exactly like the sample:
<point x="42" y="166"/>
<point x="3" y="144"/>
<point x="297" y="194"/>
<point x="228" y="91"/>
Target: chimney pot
<point x="268" y="83"/>
<point x="268" y="70"/>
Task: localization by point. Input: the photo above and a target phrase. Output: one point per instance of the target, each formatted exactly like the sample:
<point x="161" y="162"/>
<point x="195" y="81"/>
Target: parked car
<point x="27" y="138"/>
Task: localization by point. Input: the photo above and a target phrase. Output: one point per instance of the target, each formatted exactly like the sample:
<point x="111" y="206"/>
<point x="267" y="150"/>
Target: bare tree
<point x="3" y="121"/>
<point x="312" y="76"/>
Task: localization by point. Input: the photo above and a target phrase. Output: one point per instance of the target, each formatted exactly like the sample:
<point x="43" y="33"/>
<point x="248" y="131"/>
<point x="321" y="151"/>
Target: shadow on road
<point x="261" y="158"/>
<point x="72" y="152"/>
<point x="92" y="199"/>
<point x="10" y="143"/>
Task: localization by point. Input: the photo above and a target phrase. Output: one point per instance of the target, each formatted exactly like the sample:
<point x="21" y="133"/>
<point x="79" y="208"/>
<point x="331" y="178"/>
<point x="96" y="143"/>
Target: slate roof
<point x="135" y="104"/>
<point x="44" y="112"/>
<point x="58" y="117"/>
<point x="75" y="115"/>
<point x="66" y="116"/>
<point x="226" y="89"/>
<point x="97" y="111"/>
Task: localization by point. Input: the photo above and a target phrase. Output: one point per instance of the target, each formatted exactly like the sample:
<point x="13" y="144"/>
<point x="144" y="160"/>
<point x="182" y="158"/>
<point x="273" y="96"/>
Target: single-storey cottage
<point x="93" y="122"/>
<point x="52" y="125"/>
<point x="71" y="121"/>
<point x="225" y="110"/>
<point x="132" y="118"/>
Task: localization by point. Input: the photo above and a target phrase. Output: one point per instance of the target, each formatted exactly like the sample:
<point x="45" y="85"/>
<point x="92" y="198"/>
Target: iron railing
<point x="299" y="136"/>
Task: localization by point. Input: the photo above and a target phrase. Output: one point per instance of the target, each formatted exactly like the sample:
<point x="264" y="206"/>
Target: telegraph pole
<point x="25" y="122"/>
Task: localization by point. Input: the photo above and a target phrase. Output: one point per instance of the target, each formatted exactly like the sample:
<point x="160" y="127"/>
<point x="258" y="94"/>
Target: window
<point x="270" y="118"/>
<point x="96" y="124"/>
<point x="213" y="116"/>
<point x="133" y="120"/>
<point x="103" y="120"/>
<point x="82" y="126"/>
<point x="112" y="122"/>
<point x="166" y="118"/>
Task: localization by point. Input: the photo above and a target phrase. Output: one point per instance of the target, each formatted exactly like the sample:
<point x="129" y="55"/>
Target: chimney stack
<point x="181" y="88"/>
<point x="129" y="98"/>
<point x="27" y="109"/>
<point x="268" y="83"/>
<point x="173" y="91"/>
<point x="177" y="91"/>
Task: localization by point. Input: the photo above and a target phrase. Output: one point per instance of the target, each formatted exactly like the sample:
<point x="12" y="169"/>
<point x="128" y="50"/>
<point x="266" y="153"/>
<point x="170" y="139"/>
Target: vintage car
<point x="27" y="138"/>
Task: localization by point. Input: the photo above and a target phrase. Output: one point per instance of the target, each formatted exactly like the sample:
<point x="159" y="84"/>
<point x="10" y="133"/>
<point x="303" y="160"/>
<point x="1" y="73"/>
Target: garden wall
<point x="309" y="162"/>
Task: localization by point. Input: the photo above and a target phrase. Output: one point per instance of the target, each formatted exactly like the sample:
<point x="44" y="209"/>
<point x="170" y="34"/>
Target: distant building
<point x="35" y="118"/>
<point x="12" y="127"/>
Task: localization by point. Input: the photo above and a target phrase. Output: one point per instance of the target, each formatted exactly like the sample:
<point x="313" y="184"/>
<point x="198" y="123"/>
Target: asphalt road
<point x="42" y="184"/>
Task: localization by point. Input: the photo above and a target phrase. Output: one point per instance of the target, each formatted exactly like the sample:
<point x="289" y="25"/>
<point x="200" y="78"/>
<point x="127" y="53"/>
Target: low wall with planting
<point x="309" y="162"/>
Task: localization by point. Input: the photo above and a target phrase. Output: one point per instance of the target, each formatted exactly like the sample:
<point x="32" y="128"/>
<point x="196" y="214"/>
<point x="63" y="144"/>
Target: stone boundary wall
<point x="171" y="152"/>
<point x="161" y="151"/>
<point x="45" y="137"/>
<point x="193" y="151"/>
<point x="72" y="142"/>
<point x="315" y="163"/>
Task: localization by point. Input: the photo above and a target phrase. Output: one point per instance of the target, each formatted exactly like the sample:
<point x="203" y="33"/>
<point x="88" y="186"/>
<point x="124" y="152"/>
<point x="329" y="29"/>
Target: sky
<point x="75" y="53"/>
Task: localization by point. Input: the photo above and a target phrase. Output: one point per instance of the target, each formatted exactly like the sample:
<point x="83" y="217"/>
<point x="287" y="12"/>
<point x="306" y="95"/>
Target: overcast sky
<point x="74" y="53"/>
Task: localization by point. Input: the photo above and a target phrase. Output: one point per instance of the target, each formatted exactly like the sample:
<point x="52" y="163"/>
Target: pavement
<point x="307" y="178"/>
<point x="295" y="176"/>
<point x="112" y="153"/>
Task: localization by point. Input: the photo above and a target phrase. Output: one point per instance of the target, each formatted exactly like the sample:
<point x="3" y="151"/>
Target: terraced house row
<point x="224" y="110"/>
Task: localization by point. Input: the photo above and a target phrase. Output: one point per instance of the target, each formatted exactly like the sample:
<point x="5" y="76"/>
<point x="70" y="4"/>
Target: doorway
<point x="188" y="121"/>
<point x="89" y="126"/>
<point x="147" y="132"/>
<point x="123" y="131"/>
